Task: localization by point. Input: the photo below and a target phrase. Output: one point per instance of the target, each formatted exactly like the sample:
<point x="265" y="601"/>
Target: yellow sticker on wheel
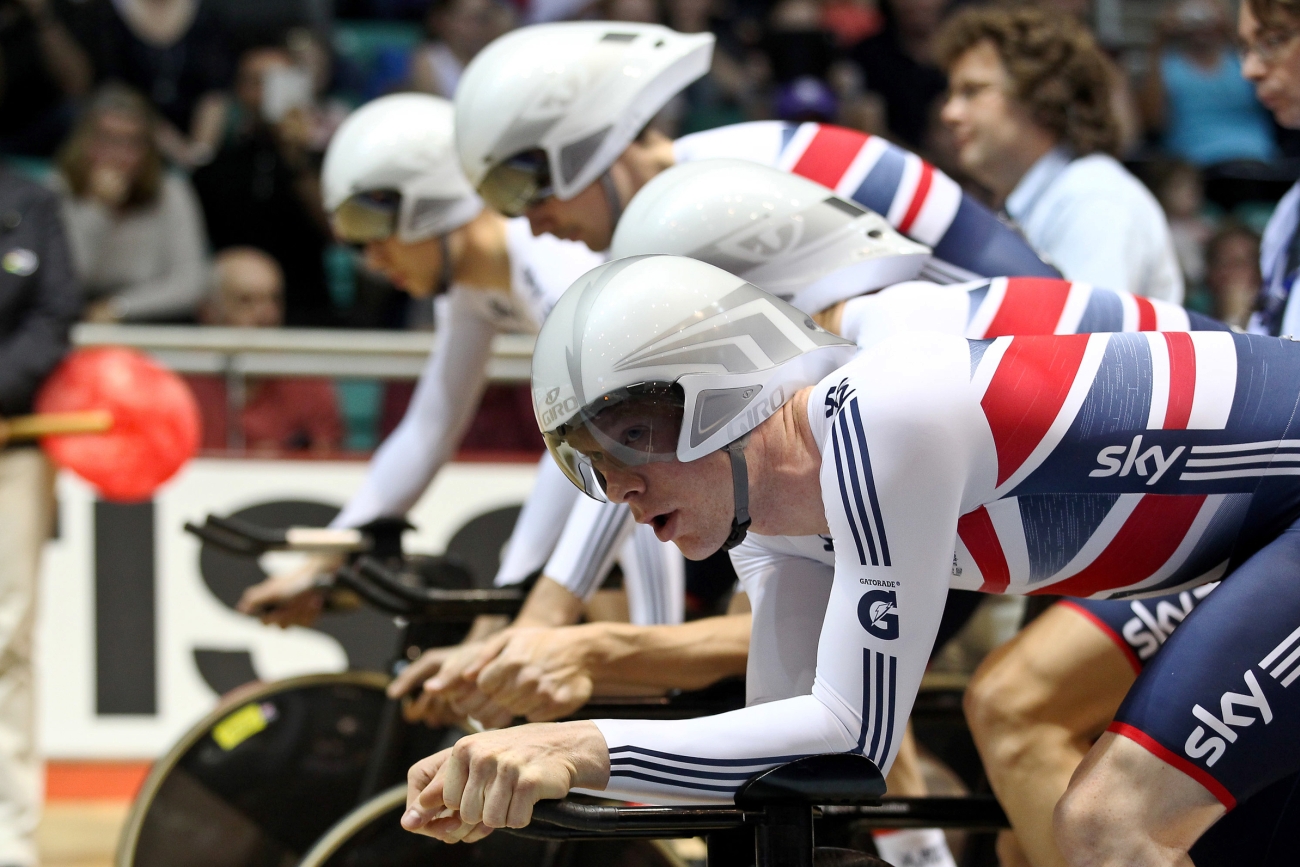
<point x="240" y="726"/>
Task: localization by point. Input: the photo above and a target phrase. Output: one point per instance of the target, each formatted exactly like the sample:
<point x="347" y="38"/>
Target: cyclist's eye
<point x="638" y="435"/>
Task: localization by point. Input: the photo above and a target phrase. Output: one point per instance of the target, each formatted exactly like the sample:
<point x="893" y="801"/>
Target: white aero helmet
<point x="781" y="232"/>
<point x="391" y="169"/>
<point x="657" y="358"/>
<point x="546" y="110"/>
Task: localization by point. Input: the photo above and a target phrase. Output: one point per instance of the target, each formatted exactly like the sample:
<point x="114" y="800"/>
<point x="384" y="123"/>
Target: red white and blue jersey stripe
<point x="1092" y="464"/>
<point x="919" y="200"/>
<point x="1008" y="305"/>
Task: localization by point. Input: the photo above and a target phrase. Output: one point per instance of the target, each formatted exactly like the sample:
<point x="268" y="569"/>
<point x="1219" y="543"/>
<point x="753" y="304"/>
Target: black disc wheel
<point x="261" y="778"/>
<point x="371" y="835"/>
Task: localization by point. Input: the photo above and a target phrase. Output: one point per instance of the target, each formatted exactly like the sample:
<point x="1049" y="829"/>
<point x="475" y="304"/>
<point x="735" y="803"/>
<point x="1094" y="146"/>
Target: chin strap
<point x="444" y="279"/>
<point x="740" y="490"/>
<point x="612" y="199"/>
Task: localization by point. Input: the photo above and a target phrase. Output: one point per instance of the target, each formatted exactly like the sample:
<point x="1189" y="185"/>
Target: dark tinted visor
<point x="366" y="217"/>
<point x="518" y="183"/>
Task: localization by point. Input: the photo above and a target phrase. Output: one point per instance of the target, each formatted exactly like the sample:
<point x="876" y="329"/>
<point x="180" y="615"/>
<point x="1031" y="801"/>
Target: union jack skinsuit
<point x="1090" y="465"/>
<point x="918" y="200"/>
<point x="980" y="308"/>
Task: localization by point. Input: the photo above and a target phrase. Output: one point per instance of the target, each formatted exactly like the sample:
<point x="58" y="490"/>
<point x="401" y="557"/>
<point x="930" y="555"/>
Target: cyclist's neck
<point x="785" y="494"/>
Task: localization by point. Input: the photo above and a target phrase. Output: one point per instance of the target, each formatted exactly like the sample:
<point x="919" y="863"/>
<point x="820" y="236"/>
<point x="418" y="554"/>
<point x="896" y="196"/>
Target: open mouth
<point x="664" y="525"/>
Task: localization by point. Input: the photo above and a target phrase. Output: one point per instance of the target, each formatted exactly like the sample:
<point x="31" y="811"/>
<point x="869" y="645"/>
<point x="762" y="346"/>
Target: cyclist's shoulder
<point x="759" y="141"/>
<point x="904" y="378"/>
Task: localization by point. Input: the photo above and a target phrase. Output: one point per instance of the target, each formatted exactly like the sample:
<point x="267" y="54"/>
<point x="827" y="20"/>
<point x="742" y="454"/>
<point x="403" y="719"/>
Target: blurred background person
<point x="899" y="64"/>
<point x="1194" y="98"/>
<point x="1030" y="107"/>
<point x="1179" y="188"/>
<point x="1269" y="34"/>
<point x="174" y="52"/>
<point x="39" y="300"/>
<point x="263" y="187"/>
<point x="806" y="99"/>
<point x="135" y="228"/>
<point x="1232" y="273"/>
<point x="457" y="30"/>
<point x="291" y="413"/>
<point x="43" y="71"/>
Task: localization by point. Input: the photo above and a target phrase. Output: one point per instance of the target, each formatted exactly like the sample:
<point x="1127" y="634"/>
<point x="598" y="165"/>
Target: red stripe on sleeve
<point x="1147" y="540"/>
<point x="829" y="155"/>
<point x="918" y="197"/>
<point x="1146" y="314"/>
<point x="1031" y="305"/>
<point x="1026" y="393"/>
<point x="976" y="532"/>
<point x="1182" y="380"/>
<point x="1171" y="758"/>
<point x="1107" y="631"/>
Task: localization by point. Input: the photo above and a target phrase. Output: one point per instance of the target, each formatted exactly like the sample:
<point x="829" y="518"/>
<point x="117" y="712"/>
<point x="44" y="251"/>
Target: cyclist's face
<point x="413" y="268"/>
<point x="1271" y="62"/>
<point x="584" y="218"/>
<point x="688" y="504"/>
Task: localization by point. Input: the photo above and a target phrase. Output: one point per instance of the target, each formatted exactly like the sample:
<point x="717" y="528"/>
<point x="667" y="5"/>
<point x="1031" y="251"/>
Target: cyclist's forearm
<point x="685" y="656"/>
<point x="549" y="603"/>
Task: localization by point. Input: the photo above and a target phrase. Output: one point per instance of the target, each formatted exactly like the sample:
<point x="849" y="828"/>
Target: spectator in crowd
<point x="638" y="11"/>
<point x="1030" y="108"/>
<point x="806" y="99"/>
<point x="176" y="54"/>
<point x="1232" y="273"/>
<point x="135" y="228"/>
<point x="279" y="413"/>
<point x="734" y="89"/>
<point x="1194" y="94"/>
<point x="457" y="30"/>
<point x="1181" y="192"/>
<point x="852" y="20"/>
<point x="43" y="70"/>
<point x="263" y="186"/>
<point x="39" y="300"/>
<point x="797" y="42"/>
<point x="898" y="63"/>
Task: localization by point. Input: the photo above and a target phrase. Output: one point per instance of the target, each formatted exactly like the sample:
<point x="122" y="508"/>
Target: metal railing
<point x="237" y="353"/>
<point x="338" y="353"/>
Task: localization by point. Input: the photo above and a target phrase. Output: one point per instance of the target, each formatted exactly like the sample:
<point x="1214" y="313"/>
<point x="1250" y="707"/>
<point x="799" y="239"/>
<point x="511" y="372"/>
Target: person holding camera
<point x="39" y="301"/>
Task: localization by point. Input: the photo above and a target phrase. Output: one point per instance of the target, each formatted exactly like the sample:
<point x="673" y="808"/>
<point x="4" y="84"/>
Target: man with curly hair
<point x="1031" y="110"/>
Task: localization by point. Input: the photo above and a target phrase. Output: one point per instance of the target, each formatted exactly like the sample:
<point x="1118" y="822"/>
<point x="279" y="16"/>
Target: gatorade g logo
<point x="878" y="613"/>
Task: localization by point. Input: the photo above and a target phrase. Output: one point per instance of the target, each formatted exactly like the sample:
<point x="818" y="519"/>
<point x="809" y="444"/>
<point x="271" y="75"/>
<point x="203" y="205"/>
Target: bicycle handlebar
<point x="973" y="813"/>
<point x="248" y="539"/>
<point x="437" y="602"/>
<point x="375" y="582"/>
<point x="632" y="821"/>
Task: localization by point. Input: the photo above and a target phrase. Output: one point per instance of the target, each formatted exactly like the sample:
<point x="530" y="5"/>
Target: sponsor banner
<point x="136" y="633"/>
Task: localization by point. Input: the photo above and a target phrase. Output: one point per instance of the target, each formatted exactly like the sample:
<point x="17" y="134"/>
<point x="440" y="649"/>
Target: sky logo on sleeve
<point x="878" y="613"/>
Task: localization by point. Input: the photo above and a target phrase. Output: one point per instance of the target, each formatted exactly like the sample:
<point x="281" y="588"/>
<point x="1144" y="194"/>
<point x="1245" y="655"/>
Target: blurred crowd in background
<point x="185" y="139"/>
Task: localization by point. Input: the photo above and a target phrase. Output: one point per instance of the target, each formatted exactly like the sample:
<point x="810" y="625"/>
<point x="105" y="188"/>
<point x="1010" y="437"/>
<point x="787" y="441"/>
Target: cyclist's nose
<point x="621" y="484"/>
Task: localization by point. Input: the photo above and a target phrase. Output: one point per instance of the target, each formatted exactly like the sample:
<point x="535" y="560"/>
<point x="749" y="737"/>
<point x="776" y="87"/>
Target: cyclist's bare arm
<point x="1035" y="706"/>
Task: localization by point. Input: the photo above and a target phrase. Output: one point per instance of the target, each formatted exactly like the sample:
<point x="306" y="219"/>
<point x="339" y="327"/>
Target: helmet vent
<point x="716" y="406"/>
<point x="428" y="211"/>
<point x="850" y="208"/>
<point x="574" y="156"/>
<point x="618" y="37"/>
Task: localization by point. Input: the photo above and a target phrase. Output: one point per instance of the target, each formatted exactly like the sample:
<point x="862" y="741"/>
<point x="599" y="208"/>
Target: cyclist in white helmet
<point x="797" y="239"/>
<point x="552" y="123"/>
<point x="930" y="460"/>
<point x="393" y="186"/>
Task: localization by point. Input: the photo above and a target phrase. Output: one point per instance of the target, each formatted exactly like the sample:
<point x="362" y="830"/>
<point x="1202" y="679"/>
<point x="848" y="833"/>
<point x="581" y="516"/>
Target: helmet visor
<point x="366" y="217"/>
<point x="518" y="183"/>
<point x="628" y="428"/>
